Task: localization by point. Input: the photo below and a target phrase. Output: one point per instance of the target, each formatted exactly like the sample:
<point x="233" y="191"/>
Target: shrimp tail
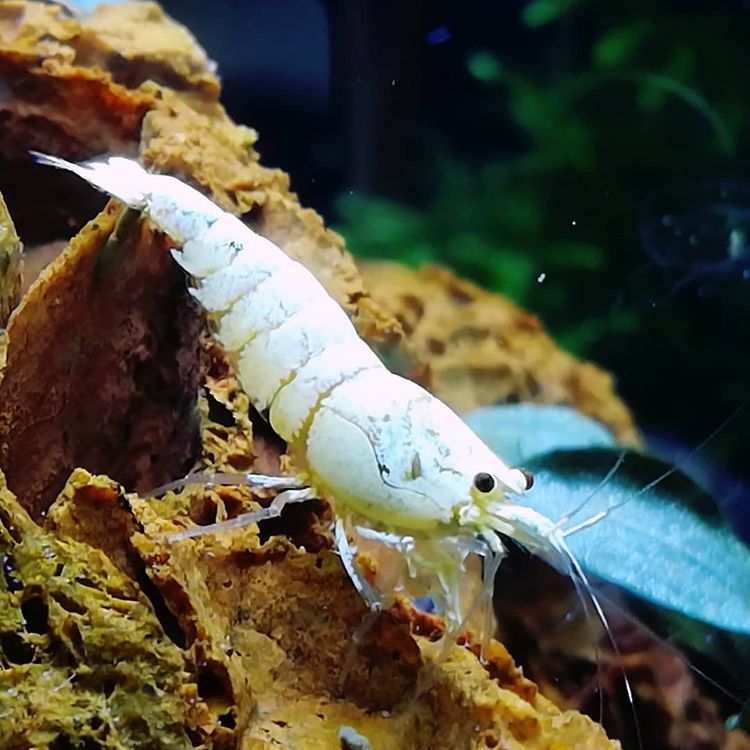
<point x="121" y="178"/>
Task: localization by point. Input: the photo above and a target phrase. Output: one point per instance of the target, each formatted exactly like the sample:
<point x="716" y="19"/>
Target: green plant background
<point x="611" y="102"/>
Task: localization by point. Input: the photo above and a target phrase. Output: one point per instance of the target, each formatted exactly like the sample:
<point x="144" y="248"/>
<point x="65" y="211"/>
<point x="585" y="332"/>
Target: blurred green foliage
<point x="609" y="101"/>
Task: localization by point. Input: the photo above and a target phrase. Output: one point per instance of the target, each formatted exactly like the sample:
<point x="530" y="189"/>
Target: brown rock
<point x="83" y="659"/>
<point x="473" y="348"/>
<point x="81" y="386"/>
<point x="61" y="96"/>
<point x="271" y="631"/>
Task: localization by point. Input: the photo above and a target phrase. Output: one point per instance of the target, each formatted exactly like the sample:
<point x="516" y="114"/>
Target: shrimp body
<point x="379" y="444"/>
<point x="386" y="451"/>
<point x="396" y="461"/>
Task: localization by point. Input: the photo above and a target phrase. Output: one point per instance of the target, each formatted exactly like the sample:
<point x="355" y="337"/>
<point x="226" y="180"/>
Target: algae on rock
<point x="11" y="259"/>
<point x="83" y="658"/>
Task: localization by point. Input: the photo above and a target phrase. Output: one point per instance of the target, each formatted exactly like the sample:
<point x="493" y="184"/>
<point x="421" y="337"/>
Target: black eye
<point x="529" y="477"/>
<point x="484" y="482"/>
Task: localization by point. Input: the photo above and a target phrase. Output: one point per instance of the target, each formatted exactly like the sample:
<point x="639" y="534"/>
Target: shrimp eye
<point x="529" y="477"/>
<point x="484" y="482"/>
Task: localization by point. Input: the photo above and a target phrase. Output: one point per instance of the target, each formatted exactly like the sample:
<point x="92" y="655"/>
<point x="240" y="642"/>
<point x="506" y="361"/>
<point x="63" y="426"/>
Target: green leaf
<point x="562" y="137"/>
<point x="542" y="12"/>
<point x="661" y="85"/>
<point x="484" y="66"/>
<point x="667" y="544"/>
<point x="621" y="44"/>
<point x="517" y="432"/>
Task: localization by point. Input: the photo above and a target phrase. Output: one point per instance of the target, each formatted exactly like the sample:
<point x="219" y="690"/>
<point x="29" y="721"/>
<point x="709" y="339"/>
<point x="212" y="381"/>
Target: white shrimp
<point x="396" y="461"/>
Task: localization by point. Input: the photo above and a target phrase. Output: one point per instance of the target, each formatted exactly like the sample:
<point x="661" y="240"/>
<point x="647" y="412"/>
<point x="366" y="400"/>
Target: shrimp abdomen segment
<point x="282" y="294"/>
<point x="180" y="210"/>
<point x="252" y="265"/>
<point x="216" y="244"/>
<point x="270" y="360"/>
<point x="294" y="405"/>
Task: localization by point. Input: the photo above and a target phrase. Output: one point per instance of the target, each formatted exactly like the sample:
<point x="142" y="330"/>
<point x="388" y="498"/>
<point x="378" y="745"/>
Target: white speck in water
<point x="573" y="223"/>
<point x="541" y="277"/>
<point x="393" y="82"/>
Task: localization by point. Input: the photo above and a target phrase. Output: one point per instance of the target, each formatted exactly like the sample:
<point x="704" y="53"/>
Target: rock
<point x="83" y="658"/>
<point x="102" y="366"/>
<point x="473" y="348"/>
<point x="11" y="262"/>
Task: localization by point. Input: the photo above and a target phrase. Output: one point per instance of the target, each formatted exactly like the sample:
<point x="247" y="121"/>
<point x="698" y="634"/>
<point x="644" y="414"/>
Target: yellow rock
<point x="11" y="259"/>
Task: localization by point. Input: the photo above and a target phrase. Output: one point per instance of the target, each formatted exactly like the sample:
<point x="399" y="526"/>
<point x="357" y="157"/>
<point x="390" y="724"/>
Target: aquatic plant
<point x="605" y="104"/>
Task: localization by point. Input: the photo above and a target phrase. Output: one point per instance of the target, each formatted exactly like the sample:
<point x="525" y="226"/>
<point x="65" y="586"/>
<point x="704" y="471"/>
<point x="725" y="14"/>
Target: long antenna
<point x="578" y="576"/>
<point x="615" y="467"/>
<point x="674" y="650"/>
<point x="665" y="475"/>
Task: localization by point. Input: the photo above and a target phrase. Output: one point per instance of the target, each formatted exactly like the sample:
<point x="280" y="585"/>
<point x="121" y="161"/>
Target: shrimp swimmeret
<point x="397" y="462"/>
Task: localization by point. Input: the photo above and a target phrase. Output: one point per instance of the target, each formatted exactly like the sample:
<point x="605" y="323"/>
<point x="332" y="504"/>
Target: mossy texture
<point x="11" y="259"/>
<point x="83" y="658"/>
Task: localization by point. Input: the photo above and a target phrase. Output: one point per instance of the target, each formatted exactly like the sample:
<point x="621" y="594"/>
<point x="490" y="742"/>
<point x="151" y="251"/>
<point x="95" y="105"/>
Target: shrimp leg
<point x="245" y="519"/>
<point x="346" y="552"/>
<point x="366" y="590"/>
<point x="492" y="552"/>
<point x="209" y="480"/>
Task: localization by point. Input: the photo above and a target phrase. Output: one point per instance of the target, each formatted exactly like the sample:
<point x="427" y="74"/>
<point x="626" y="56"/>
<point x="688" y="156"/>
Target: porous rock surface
<point x="473" y="348"/>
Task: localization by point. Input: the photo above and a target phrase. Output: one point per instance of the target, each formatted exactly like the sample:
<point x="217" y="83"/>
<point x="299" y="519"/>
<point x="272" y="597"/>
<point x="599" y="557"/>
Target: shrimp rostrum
<point x="399" y="466"/>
